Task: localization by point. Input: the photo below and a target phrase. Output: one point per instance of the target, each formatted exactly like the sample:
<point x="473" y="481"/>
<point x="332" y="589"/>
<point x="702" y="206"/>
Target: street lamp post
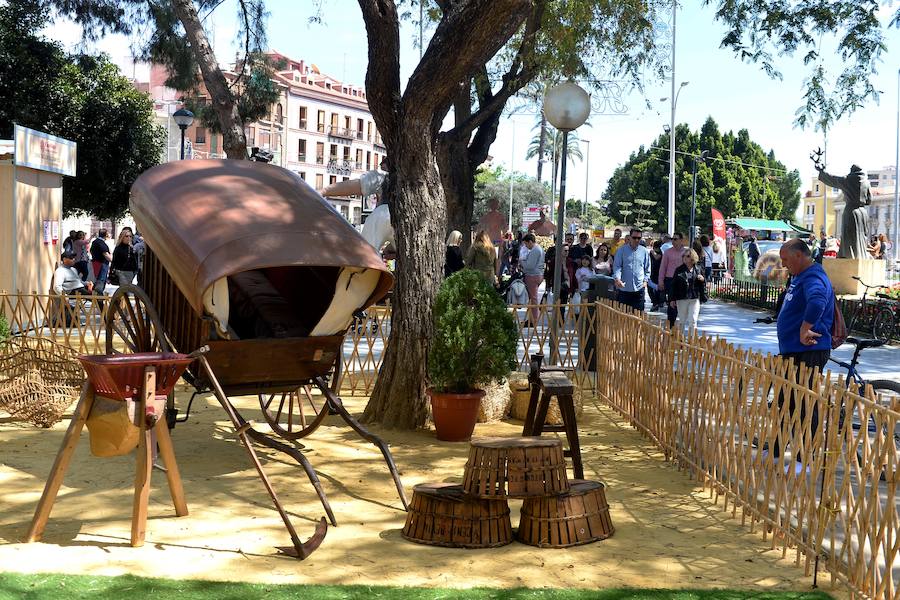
<point x="587" y="178"/>
<point x="895" y="219"/>
<point x="673" y="105"/>
<point x="567" y="107"/>
<point x="702" y="158"/>
<point x="183" y="117"/>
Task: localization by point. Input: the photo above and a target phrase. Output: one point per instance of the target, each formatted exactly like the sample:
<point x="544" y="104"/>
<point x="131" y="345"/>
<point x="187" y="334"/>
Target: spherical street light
<point x="566" y="107"/>
<point x="184" y="118"/>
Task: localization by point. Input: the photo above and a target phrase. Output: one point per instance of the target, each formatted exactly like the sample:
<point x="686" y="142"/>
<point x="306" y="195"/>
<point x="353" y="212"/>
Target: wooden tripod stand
<point x="144" y="462"/>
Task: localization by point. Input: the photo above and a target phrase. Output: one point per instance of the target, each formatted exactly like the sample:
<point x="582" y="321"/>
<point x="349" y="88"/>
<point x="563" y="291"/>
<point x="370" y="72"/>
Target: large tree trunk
<point x="234" y="140"/>
<point x="458" y="182"/>
<point x="468" y="35"/>
<point x="416" y="201"/>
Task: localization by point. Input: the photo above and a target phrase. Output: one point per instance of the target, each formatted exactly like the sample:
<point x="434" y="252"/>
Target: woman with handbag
<point x="688" y="289"/>
<point x="124" y="260"/>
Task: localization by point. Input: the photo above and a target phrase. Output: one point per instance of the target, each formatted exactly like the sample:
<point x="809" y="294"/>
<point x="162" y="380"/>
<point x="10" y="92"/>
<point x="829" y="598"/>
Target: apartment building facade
<point x="319" y="127"/>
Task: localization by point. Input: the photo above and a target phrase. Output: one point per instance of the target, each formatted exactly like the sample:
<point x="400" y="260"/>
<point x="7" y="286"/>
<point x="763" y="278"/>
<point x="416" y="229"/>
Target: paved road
<point x="735" y="323"/>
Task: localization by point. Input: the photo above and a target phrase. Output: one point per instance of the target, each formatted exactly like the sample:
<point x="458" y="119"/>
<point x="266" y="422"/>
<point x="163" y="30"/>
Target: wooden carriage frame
<point x="166" y="313"/>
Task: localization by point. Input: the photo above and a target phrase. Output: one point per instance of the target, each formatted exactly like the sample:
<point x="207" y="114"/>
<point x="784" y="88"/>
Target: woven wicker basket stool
<point x="579" y="516"/>
<point x="441" y="514"/>
<point x="518" y="467"/>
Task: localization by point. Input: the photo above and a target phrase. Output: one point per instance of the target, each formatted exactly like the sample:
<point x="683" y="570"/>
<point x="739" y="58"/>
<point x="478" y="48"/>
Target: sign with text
<point x="530" y="214"/>
<point x="44" y="152"/>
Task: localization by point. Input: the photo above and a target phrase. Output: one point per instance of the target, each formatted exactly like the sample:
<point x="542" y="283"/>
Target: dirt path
<point x="668" y="532"/>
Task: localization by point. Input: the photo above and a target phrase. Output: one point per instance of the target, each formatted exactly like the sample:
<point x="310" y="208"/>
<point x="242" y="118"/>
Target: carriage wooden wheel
<point x="296" y="414"/>
<point x="132" y="324"/>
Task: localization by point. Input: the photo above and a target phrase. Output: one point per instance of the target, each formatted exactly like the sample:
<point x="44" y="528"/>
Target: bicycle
<point x="883" y="387"/>
<point x="883" y="319"/>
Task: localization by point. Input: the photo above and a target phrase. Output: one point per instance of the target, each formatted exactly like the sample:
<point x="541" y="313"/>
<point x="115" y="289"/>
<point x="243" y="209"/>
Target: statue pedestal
<point x="842" y="270"/>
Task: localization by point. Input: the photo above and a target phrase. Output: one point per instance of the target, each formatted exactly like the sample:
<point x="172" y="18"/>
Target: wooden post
<point x="61" y="464"/>
<point x="167" y="452"/>
<point x="144" y="461"/>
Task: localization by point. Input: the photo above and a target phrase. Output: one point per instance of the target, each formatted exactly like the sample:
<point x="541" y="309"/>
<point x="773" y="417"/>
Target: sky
<point x="735" y="94"/>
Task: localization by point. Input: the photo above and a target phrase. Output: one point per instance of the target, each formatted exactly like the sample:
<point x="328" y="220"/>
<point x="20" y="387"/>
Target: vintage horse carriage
<point x="247" y="260"/>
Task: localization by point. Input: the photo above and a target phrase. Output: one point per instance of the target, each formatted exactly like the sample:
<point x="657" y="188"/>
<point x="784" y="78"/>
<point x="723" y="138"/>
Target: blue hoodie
<point x="810" y="298"/>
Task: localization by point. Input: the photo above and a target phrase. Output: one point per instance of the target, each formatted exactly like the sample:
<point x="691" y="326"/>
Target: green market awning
<point x="765" y="225"/>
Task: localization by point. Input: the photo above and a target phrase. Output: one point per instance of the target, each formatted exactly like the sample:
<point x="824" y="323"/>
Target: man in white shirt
<point x="66" y="279"/>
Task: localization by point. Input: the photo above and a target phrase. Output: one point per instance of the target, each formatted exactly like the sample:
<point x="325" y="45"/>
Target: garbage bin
<point x="600" y="286"/>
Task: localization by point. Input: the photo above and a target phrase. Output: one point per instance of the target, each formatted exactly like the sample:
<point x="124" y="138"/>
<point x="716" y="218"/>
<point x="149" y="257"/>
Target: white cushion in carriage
<point x="354" y="287"/>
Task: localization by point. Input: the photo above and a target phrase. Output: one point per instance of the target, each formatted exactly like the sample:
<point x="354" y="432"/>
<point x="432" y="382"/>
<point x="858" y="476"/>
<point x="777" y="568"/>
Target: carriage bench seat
<point x="258" y="310"/>
<point x="545" y="386"/>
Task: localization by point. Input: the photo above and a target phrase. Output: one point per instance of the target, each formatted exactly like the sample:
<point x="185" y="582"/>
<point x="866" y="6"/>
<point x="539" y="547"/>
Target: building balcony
<point x="320" y="159"/>
<point x="340" y="167"/>
<point x="380" y="147"/>
<point x="302" y="124"/>
<point x="342" y="134"/>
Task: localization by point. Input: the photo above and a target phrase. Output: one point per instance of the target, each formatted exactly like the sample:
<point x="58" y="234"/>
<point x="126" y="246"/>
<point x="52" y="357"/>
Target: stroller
<point x="512" y="288"/>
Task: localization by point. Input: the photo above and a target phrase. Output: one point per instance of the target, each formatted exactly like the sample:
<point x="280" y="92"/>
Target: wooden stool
<point x="144" y="463"/>
<point x="515" y="467"/>
<point x="441" y="514"/>
<point x="545" y="386"/>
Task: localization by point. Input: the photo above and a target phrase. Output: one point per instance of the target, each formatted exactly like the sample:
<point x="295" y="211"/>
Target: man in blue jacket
<point x="805" y="320"/>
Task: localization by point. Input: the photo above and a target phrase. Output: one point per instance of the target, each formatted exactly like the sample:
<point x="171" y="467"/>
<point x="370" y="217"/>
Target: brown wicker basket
<point x="579" y="516"/>
<point x="442" y="515"/>
<point x="516" y="467"/>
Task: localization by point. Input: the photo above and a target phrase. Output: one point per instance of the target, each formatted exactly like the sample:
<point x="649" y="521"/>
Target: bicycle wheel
<point x="891" y="391"/>
<point x="883" y="325"/>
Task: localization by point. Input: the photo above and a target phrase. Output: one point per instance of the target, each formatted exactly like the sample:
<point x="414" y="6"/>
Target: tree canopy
<point x="81" y="98"/>
<point x="493" y="184"/>
<point x="738" y="177"/>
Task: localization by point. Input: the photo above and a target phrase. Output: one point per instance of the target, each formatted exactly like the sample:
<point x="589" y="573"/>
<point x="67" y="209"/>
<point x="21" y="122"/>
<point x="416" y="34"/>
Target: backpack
<point x="838" y="327"/>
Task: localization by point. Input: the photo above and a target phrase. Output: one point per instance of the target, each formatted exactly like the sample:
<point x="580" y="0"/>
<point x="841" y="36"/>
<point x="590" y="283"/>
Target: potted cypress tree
<point x="474" y="343"/>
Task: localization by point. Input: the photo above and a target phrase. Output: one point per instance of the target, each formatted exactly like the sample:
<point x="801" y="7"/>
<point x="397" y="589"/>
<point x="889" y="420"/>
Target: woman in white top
<point x="719" y="258"/>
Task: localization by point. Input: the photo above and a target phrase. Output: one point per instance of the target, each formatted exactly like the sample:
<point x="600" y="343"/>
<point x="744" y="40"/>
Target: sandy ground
<point x="668" y="531"/>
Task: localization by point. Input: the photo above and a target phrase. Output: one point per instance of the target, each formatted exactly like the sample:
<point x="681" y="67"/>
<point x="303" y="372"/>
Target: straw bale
<point x="495" y="403"/>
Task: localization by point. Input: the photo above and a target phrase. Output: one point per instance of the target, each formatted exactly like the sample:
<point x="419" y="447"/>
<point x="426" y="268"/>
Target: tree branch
<point x="383" y="74"/>
<point x="521" y="71"/>
<point x="468" y="35"/>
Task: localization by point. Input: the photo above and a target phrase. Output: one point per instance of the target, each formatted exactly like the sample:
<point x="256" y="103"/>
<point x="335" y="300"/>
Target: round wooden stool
<point x="441" y="514"/>
<point x="579" y="516"/>
<point x="519" y="467"/>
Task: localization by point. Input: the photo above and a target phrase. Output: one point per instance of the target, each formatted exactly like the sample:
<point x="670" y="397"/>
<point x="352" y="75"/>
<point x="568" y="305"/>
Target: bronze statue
<point x="854" y="231"/>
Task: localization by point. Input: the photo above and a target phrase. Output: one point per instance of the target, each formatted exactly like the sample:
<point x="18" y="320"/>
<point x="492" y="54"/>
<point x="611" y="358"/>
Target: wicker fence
<point x="712" y="408"/>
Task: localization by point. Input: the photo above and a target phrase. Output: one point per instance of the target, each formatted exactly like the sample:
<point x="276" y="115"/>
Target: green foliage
<point x="80" y="98"/>
<point x="474" y="335"/>
<point x="50" y="586"/>
<point x="638" y="190"/>
<point x="493" y="184"/>
<point x="4" y="328"/>
<point x="850" y="29"/>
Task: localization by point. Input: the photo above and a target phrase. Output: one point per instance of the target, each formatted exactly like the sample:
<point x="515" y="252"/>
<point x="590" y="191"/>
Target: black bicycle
<point x="879" y="314"/>
<point x="882" y="387"/>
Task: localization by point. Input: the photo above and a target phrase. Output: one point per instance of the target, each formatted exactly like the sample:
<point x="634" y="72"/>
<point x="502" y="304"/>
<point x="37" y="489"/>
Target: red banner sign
<point x="718" y="222"/>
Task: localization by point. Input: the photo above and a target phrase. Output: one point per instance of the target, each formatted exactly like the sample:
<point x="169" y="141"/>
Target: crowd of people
<point x="628" y="268"/>
<point x="87" y="266"/>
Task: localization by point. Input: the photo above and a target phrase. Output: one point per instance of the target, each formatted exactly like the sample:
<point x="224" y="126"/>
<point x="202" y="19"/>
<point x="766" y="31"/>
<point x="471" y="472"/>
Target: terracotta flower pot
<point x="455" y="414"/>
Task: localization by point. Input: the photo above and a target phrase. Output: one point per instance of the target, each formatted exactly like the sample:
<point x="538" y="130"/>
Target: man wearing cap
<point x="66" y="279"/>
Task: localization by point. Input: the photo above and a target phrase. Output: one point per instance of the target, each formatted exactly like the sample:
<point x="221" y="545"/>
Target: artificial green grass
<point x="66" y="587"/>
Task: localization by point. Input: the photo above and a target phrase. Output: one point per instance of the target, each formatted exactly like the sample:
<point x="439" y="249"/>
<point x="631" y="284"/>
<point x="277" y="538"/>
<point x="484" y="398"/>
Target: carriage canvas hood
<point x="208" y="219"/>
